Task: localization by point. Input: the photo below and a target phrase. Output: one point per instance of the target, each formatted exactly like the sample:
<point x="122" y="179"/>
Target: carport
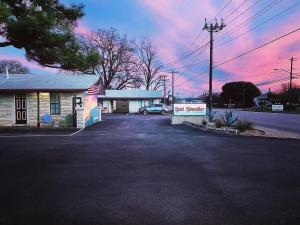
<point x="128" y="101"/>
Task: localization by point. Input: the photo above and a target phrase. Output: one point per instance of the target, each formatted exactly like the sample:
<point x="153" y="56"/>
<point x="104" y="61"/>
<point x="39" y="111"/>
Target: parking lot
<point x="138" y="169"/>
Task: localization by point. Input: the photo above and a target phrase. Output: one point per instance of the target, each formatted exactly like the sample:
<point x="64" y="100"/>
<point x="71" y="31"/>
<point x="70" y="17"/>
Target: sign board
<point x="190" y="109"/>
<point x="277" y="108"/>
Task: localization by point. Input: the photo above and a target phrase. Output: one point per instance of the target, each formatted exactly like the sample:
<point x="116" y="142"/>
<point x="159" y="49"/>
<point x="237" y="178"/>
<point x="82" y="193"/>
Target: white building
<point x="128" y="101"/>
<point x="30" y="100"/>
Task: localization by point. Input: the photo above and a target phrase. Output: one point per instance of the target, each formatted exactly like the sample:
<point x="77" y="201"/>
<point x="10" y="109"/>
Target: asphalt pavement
<point x="280" y="121"/>
<point x="136" y="169"/>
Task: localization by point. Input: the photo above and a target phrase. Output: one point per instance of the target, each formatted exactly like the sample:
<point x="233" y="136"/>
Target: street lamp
<point x="281" y="70"/>
<point x="291" y="75"/>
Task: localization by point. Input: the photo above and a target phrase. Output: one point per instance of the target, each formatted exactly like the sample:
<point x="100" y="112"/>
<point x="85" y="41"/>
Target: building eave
<point x="40" y="90"/>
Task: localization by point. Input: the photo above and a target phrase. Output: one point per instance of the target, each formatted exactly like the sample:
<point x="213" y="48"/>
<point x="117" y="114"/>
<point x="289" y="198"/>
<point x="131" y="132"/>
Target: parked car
<point x="155" y="108"/>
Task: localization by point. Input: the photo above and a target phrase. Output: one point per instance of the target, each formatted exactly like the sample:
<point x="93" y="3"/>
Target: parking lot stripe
<point x="35" y="135"/>
<point x="77" y="132"/>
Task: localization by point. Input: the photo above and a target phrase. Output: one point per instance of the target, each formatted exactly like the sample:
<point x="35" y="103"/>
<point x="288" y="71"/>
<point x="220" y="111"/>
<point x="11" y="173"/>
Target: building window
<point x="54" y="103"/>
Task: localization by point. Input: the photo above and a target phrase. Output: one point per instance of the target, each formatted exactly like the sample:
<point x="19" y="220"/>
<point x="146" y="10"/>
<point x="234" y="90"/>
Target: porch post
<point x="38" y="109"/>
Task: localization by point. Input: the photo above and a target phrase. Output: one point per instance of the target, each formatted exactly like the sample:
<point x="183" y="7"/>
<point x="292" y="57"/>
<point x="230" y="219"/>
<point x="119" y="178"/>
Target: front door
<point x="122" y="106"/>
<point x="21" y="109"/>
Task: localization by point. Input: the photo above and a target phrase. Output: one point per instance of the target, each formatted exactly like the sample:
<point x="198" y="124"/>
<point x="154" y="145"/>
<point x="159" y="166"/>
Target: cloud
<point x="81" y="28"/>
<point x="264" y="60"/>
<point x="180" y="21"/>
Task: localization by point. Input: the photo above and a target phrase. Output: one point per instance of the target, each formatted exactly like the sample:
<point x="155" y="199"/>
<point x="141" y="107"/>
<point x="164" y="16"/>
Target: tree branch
<point x="5" y="44"/>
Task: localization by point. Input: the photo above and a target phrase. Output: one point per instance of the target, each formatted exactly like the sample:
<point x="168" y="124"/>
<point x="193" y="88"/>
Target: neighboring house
<point x="128" y="101"/>
<point x="264" y="100"/>
<point x="27" y="99"/>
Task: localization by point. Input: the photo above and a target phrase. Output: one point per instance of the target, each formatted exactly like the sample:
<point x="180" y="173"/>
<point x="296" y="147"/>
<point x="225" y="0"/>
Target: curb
<point x="217" y="130"/>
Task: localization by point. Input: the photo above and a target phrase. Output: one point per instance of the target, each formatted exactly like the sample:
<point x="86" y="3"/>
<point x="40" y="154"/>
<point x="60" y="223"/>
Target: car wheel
<point x="163" y="112"/>
<point x="145" y="112"/>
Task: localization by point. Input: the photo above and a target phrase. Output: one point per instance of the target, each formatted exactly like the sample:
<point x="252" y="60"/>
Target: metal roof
<point x="132" y="94"/>
<point x="51" y="82"/>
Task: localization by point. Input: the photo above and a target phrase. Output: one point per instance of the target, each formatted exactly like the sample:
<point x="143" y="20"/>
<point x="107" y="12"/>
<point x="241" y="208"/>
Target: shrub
<point x="229" y="118"/>
<point x="204" y="122"/>
<point x="219" y="123"/>
<point x="68" y="120"/>
<point x="211" y="115"/>
<point x="243" y="125"/>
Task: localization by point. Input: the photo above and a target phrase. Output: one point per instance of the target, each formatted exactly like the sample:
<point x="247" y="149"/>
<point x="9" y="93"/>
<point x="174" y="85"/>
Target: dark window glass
<point x="54" y="103"/>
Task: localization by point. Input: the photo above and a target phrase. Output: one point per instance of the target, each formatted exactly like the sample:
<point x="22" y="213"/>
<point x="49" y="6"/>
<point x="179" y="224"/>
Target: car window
<point x="158" y="105"/>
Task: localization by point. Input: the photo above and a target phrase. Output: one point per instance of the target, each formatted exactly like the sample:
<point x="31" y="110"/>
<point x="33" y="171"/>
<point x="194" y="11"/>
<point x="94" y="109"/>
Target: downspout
<point x="38" y="109"/>
<point x="74" y="111"/>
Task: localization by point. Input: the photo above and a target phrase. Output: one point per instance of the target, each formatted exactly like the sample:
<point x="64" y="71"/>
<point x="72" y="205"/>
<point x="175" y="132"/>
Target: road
<point x="280" y="121"/>
<point x="140" y="170"/>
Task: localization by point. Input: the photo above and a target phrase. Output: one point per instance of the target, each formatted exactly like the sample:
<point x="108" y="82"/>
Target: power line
<point x="261" y="46"/>
<point x="261" y="12"/>
<point x="194" y="51"/>
<point x="222" y="9"/>
<point x="196" y="57"/>
<point x="251" y="6"/>
<point x="248" y="52"/>
<point x="260" y="24"/>
<point x="235" y="10"/>
<point x="186" y="56"/>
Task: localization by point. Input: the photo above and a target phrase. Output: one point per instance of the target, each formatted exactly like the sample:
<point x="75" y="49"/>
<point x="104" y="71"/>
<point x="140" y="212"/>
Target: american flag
<point x="94" y="89"/>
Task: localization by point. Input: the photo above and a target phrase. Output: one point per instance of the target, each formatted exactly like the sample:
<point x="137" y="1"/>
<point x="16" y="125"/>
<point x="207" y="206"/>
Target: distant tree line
<point x="242" y="94"/>
<point x="239" y="94"/>
<point x="13" y="67"/>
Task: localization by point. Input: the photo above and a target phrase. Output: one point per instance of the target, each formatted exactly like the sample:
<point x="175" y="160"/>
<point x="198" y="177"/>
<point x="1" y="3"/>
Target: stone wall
<point x="191" y="119"/>
<point x="66" y="104"/>
<point x="7" y="106"/>
<point x="66" y="101"/>
<point x="31" y="109"/>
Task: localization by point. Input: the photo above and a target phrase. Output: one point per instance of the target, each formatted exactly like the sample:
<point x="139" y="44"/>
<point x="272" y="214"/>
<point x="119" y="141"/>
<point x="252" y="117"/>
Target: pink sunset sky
<point x="175" y="26"/>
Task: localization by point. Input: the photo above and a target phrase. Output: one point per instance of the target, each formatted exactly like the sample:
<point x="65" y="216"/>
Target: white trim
<point x="77" y="132"/>
<point x="42" y="135"/>
<point x="36" y="135"/>
<point x="14" y="109"/>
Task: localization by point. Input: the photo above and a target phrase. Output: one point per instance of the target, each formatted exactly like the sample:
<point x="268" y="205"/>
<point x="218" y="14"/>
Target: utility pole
<point x="164" y="76"/>
<point x="291" y="72"/>
<point x="211" y="29"/>
<point x="173" y="91"/>
<point x="244" y="95"/>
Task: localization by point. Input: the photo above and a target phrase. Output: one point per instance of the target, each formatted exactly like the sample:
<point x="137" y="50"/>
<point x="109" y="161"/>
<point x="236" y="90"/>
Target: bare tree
<point x="148" y="64"/>
<point x="13" y="67"/>
<point x="116" y="66"/>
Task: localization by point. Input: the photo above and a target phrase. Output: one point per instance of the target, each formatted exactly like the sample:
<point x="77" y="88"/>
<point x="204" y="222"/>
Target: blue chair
<point x="46" y="119"/>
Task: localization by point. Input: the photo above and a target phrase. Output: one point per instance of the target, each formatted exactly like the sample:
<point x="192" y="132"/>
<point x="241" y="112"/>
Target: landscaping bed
<point x="230" y="125"/>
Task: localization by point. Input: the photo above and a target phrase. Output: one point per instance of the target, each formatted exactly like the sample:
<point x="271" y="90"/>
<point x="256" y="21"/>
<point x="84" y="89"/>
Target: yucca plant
<point x="211" y="115"/>
<point x="243" y="125"/>
<point x="229" y="118"/>
<point x="219" y="123"/>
